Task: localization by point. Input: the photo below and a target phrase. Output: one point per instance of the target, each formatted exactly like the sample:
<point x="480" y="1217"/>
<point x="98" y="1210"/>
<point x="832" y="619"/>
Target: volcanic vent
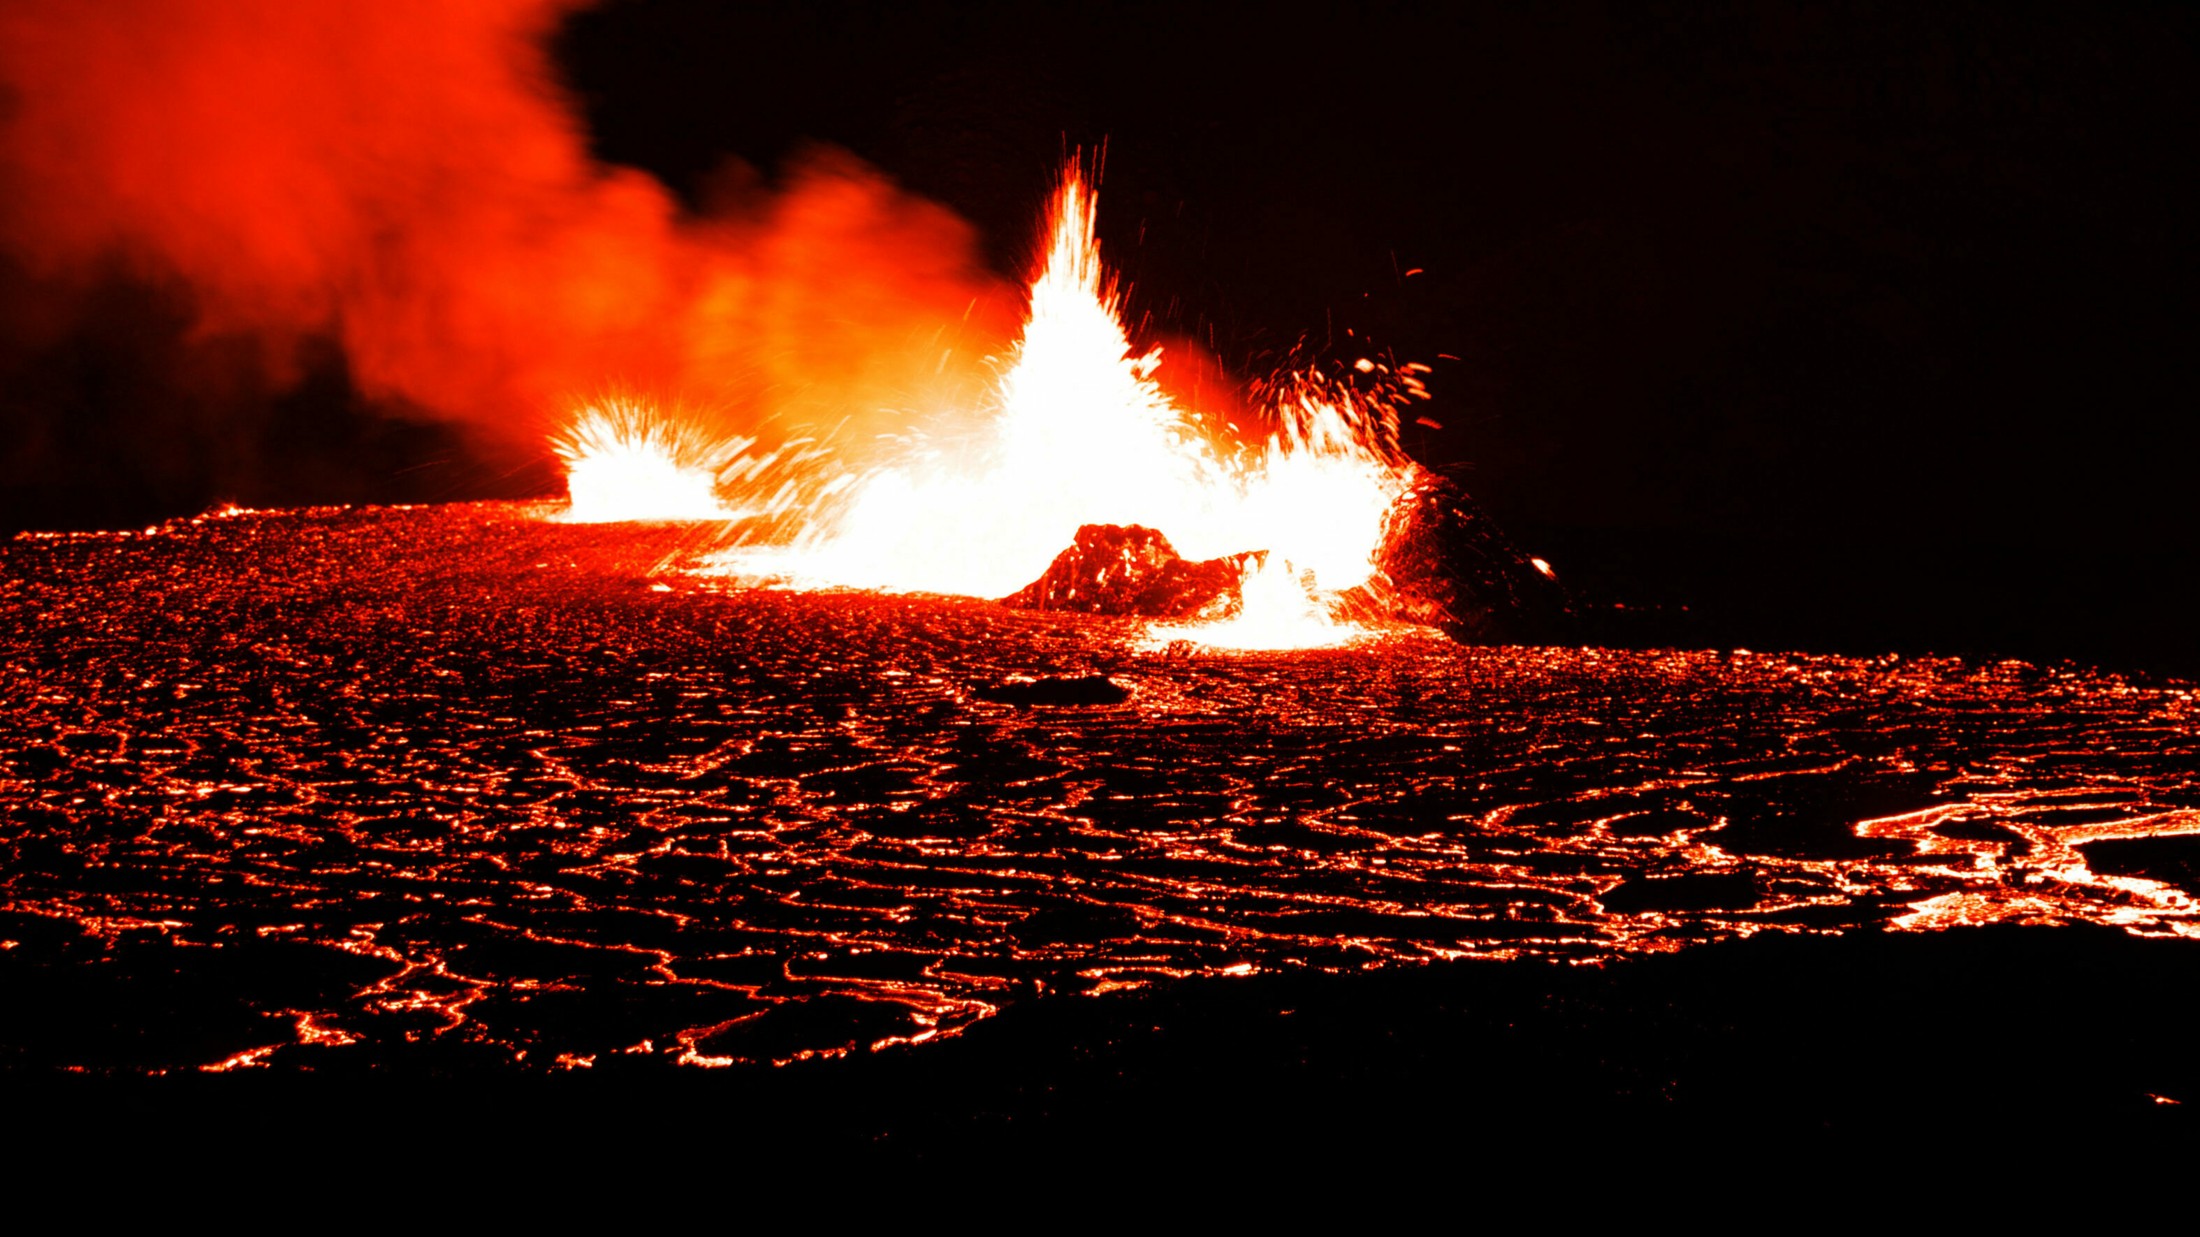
<point x="1080" y="483"/>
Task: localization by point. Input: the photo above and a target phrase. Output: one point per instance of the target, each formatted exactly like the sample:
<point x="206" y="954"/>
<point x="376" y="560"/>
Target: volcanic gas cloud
<point x="405" y="177"/>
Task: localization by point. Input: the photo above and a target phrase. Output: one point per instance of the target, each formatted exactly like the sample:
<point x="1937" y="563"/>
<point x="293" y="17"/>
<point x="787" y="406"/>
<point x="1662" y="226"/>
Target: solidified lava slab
<point x="2174" y="860"/>
<point x="1129" y="569"/>
<point x="461" y="788"/>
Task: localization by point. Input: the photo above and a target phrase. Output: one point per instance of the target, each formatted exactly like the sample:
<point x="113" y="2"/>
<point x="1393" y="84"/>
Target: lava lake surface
<point x="467" y="789"/>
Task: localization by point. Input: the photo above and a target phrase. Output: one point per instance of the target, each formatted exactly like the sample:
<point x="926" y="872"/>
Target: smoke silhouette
<point x="407" y="179"/>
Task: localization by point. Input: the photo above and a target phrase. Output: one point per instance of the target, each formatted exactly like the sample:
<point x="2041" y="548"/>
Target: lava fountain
<point x="1077" y="433"/>
<point x="625" y="462"/>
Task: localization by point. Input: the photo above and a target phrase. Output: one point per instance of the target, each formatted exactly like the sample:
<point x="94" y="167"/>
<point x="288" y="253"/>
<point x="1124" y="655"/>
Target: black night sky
<point x="1851" y="329"/>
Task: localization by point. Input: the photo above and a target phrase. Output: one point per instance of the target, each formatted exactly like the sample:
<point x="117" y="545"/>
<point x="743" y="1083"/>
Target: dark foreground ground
<point x="1911" y="1049"/>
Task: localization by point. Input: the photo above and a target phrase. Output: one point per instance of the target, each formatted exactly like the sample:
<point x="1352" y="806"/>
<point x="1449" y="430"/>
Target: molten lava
<point x="1078" y="432"/>
<point x="1277" y="609"/>
<point x="1081" y="434"/>
<point x="480" y="802"/>
<point x="625" y="462"/>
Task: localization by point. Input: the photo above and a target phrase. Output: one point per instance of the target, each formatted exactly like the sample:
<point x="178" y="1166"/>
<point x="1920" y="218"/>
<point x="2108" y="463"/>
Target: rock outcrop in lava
<point x="1445" y="563"/>
<point x="1132" y="569"/>
<point x="1057" y="689"/>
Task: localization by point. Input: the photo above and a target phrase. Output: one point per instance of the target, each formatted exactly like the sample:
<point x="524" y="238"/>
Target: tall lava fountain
<point x="1077" y="432"/>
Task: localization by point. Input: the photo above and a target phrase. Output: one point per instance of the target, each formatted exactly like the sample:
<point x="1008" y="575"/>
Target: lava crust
<point x="459" y="785"/>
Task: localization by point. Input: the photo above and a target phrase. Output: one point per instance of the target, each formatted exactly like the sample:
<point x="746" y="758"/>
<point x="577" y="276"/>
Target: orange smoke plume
<point x="407" y="177"/>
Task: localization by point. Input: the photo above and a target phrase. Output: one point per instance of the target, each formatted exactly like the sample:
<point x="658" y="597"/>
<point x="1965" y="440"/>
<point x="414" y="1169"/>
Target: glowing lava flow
<point x="625" y="462"/>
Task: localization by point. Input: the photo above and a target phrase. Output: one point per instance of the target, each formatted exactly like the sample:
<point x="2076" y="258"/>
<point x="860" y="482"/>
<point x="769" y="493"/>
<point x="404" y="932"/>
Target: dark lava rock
<point x="1692" y="892"/>
<point x="1132" y="569"/>
<point x="2174" y="860"/>
<point x="1058" y="689"/>
<point x="1817" y="1050"/>
<point x="1446" y="564"/>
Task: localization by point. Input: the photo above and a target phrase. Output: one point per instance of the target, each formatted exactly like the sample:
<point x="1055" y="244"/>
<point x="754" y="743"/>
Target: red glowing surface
<point x="466" y="780"/>
<point x="978" y="499"/>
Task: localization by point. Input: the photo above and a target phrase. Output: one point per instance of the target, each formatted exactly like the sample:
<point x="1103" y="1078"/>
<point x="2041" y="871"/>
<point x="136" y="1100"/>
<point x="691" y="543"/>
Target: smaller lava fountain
<point x="1276" y="610"/>
<point x="626" y="462"/>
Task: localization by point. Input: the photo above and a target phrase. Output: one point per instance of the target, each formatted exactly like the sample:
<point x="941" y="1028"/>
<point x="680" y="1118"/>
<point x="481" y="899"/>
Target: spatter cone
<point x="1130" y="569"/>
<point x="1445" y="563"/>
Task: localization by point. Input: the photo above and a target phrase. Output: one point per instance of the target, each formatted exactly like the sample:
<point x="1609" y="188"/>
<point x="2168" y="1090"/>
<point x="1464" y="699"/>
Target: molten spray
<point x="1077" y="431"/>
